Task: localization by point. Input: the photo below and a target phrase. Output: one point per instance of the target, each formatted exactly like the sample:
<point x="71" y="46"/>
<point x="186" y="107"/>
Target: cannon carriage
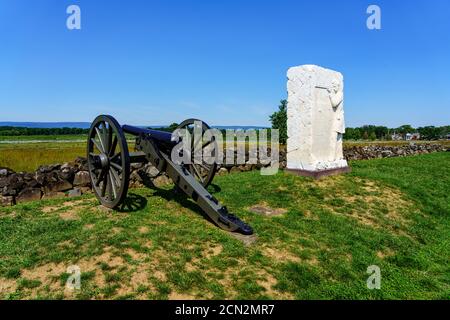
<point x="109" y="161"/>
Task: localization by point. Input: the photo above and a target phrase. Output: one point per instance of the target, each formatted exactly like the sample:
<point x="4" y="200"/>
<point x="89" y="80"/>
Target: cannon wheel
<point x="203" y="172"/>
<point x="108" y="160"/>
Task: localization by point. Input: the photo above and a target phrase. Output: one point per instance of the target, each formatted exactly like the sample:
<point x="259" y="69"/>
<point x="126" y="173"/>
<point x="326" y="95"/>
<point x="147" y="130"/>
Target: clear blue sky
<point x="157" y="62"/>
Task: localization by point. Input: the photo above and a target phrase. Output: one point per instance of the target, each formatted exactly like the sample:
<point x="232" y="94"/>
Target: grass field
<point x="393" y="213"/>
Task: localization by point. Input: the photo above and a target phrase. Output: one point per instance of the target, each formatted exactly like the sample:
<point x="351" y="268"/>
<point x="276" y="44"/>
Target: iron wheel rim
<point x="108" y="161"/>
<point x="197" y="169"/>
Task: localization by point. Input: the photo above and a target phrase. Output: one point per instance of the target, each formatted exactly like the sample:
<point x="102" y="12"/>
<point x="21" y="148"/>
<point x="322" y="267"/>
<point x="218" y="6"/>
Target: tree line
<point x="367" y="132"/>
<point x="370" y="132"/>
<point x="23" y="131"/>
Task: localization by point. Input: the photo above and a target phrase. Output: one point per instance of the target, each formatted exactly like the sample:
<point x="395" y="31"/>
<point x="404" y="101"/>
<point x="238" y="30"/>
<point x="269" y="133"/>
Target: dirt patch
<point x="161" y="276"/>
<point x="385" y="253"/>
<point x="268" y="282"/>
<point x="143" y="229"/>
<point x="69" y="215"/>
<point x="280" y="255"/>
<point x="7" y="286"/>
<point x="88" y="226"/>
<point x="213" y="251"/>
<point x="180" y="296"/>
<point x="264" y="209"/>
<point x="137" y="256"/>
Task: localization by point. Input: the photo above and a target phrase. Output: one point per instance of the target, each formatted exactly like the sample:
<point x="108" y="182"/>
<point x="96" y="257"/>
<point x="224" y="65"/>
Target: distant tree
<point x="373" y="136"/>
<point x="404" y="129"/>
<point x="365" y="135"/>
<point x="430" y="133"/>
<point x="279" y="120"/>
<point x="172" y="127"/>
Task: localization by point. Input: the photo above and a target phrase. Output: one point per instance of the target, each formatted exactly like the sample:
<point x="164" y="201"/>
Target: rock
<point x="7" y="201"/>
<point x="5" y="171"/>
<point x="75" y="192"/>
<point x="57" y="186"/>
<point x="151" y="170"/>
<point x="135" y="177"/>
<point x="222" y="171"/>
<point x="136" y="166"/>
<point x="66" y="173"/>
<point x="81" y="164"/>
<point x="235" y="169"/>
<point x="48" y="168"/>
<point x="82" y="179"/>
<point x="29" y="194"/>
<point x="86" y="190"/>
<point x="53" y="195"/>
<point x="3" y="182"/>
<point x="161" y="180"/>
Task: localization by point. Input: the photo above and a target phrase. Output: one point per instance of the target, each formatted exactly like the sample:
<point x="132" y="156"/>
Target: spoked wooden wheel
<point x="202" y="171"/>
<point x="109" y="161"/>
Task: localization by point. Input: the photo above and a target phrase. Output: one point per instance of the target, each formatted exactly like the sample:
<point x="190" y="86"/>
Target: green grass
<point x="393" y="213"/>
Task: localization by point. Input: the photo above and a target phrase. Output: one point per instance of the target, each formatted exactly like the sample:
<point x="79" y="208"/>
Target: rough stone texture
<point x="222" y="171"/>
<point x="53" y="195"/>
<point x="29" y="194"/>
<point x="315" y="115"/>
<point x="7" y="201"/>
<point x="82" y="179"/>
<point x="75" y="192"/>
<point x="57" y="186"/>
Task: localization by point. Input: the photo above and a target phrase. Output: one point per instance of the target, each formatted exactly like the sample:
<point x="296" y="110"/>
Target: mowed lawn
<point x="393" y="213"/>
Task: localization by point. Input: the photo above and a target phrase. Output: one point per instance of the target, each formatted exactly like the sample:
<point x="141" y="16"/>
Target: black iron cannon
<point x="109" y="162"/>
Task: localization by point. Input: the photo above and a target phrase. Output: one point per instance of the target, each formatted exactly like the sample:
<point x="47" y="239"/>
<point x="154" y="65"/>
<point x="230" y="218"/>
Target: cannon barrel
<point x="161" y="136"/>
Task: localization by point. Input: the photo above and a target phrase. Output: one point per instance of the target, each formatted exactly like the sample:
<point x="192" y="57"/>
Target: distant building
<point x="396" y="137"/>
<point x="407" y="137"/>
<point x="412" y="136"/>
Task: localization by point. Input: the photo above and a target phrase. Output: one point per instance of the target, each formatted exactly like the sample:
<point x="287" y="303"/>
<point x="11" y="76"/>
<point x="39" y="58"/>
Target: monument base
<point x="319" y="173"/>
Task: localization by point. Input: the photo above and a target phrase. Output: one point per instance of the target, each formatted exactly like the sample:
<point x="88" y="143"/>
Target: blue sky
<point x="157" y="62"/>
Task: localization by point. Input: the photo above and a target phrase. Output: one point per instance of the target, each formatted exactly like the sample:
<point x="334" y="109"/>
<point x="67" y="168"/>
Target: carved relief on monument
<point x="315" y="118"/>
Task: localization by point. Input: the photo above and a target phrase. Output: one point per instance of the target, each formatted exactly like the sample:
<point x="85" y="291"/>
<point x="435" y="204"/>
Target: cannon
<point x="109" y="161"/>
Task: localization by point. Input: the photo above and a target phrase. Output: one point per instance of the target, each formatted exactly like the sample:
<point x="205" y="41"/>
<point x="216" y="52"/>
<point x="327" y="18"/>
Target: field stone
<point x="85" y="190"/>
<point x="75" y="192"/>
<point x="57" y="186"/>
<point x="162" y="180"/>
<point x="82" y="179"/>
<point x="29" y="194"/>
<point x="7" y="201"/>
<point x="235" y="169"/>
<point x="222" y="171"/>
<point x="53" y="195"/>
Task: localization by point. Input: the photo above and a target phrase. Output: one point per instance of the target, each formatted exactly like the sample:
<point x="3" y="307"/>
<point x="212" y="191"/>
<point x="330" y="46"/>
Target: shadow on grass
<point x="133" y="203"/>
<point x="180" y="197"/>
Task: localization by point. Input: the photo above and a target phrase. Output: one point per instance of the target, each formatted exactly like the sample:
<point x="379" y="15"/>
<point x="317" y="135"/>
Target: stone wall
<point x="72" y="179"/>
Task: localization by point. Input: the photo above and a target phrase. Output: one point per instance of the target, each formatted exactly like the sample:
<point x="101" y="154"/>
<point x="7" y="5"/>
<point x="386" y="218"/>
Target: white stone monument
<point x="315" y="121"/>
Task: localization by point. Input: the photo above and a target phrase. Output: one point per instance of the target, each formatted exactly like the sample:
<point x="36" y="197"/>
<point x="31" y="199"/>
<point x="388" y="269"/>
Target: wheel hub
<point x="104" y="160"/>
